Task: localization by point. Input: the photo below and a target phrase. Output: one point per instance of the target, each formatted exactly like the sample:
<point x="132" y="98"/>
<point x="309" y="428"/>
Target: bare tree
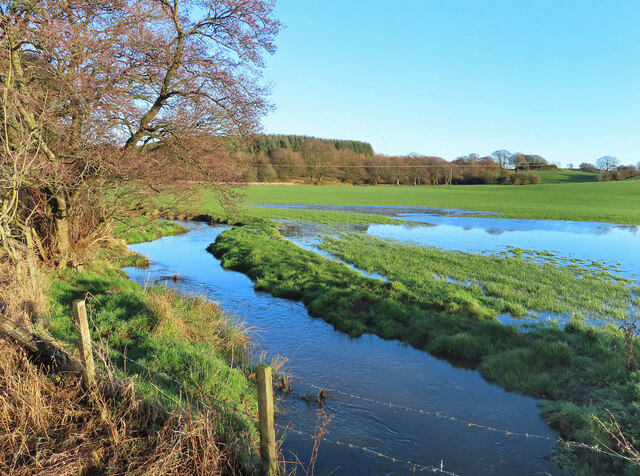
<point x="504" y="158"/>
<point x="374" y="170"/>
<point x="320" y="159"/>
<point x="116" y="93"/>
<point x="607" y="163"/>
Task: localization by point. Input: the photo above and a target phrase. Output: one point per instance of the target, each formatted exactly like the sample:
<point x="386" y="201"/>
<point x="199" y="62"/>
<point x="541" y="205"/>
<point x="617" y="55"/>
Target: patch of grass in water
<point x="146" y="228"/>
<point x="507" y="283"/>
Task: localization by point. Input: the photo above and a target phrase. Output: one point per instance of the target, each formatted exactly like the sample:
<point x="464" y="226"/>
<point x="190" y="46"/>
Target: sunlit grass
<point x="614" y="202"/>
<point x="146" y="228"/>
<point x="507" y="284"/>
<point x="177" y="348"/>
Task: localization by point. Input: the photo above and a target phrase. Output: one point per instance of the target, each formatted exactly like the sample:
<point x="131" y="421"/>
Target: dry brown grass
<point x="21" y="294"/>
<point x="50" y="426"/>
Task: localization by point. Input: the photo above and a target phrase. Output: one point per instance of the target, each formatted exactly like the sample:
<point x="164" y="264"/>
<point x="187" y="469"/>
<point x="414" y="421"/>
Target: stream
<point x="364" y="377"/>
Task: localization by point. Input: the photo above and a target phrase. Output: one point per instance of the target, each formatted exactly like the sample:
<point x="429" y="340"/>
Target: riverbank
<point x="181" y="354"/>
<point x="469" y="332"/>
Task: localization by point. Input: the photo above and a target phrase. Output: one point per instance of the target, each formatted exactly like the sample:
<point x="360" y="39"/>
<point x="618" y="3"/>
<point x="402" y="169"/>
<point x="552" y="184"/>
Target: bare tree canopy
<point x="504" y="158"/>
<point x="607" y="163"/>
<point x="98" y="92"/>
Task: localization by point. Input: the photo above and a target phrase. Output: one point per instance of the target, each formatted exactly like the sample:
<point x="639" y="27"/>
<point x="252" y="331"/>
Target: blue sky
<point x="450" y="77"/>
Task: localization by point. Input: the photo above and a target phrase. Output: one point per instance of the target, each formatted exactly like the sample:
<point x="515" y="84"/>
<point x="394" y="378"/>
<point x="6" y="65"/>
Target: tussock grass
<point x="159" y="329"/>
<point x="194" y="318"/>
<point x="177" y="351"/>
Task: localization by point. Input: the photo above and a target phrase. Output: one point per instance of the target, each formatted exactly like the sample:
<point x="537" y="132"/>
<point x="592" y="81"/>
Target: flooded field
<point x="415" y="383"/>
<point x="451" y="229"/>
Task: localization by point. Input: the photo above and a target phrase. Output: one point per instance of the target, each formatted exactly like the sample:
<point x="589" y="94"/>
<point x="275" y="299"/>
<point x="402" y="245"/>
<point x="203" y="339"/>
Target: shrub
<point x="533" y="179"/>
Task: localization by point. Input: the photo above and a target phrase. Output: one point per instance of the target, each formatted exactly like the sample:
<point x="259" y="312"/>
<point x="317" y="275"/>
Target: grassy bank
<point x="579" y="371"/>
<point x="616" y="202"/>
<point x="146" y="228"/>
<point x="182" y="352"/>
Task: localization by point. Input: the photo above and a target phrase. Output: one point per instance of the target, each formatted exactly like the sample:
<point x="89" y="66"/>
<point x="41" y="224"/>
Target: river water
<point x="418" y="386"/>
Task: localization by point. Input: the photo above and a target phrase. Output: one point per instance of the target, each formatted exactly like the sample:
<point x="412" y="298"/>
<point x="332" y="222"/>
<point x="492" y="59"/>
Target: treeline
<point x="623" y="172"/>
<point x="267" y="143"/>
<point x="611" y="169"/>
<point x="284" y="158"/>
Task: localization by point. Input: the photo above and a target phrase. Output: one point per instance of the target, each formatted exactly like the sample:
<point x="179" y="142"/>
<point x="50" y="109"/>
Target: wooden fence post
<point x="89" y="371"/>
<point x="265" y="416"/>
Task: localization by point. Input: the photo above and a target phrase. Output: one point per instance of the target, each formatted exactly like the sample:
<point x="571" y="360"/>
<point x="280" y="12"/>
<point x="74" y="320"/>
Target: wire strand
<point x="415" y="466"/>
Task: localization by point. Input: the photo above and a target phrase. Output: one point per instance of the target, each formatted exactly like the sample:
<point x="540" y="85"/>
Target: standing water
<point x="454" y="229"/>
<point x="408" y="434"/>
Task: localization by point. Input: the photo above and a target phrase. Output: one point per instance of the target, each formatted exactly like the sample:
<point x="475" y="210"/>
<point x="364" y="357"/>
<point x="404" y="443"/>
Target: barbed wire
<point x="387" y="166"/>
<point x="436" y="414"/>
<point x="415" y="466"/>
<point x="596" y="448"/>
<point x="382" y="166"/>
<point x="576" y="444"/>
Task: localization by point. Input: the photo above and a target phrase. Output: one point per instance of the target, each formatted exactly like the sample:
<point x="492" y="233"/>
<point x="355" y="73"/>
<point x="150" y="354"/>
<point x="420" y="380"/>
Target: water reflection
<point x="390" y="211"/>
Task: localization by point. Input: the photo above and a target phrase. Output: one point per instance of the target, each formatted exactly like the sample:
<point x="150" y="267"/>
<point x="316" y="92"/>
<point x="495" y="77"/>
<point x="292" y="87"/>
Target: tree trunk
<point x="60" y="230"/>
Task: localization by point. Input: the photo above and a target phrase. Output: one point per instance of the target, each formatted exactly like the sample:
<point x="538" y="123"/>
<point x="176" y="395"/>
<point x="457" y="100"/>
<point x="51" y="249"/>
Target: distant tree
<point x="287" y="163"/>
<point x="587" y="167"/>
<point x="320" y="159"/>
<point x="570" y="165"/>
<point x="467" y="159"/>
<point x="530" y="161"/>
<point x="264" y="171"/>
<point x="373" y="170"/>
<point x="350" y="166"/>
<point x="415" y="168"/>
<point x="504" y="158"/>
<point x="439" y="170"/>
<point x="395" y="170"/>
<point x="267" y="143"/>
<point x="607" y="163"/>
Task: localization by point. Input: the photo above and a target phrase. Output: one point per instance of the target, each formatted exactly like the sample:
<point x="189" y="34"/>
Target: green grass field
<point x="613" y="202"/>
<point x="566" y="176"/>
